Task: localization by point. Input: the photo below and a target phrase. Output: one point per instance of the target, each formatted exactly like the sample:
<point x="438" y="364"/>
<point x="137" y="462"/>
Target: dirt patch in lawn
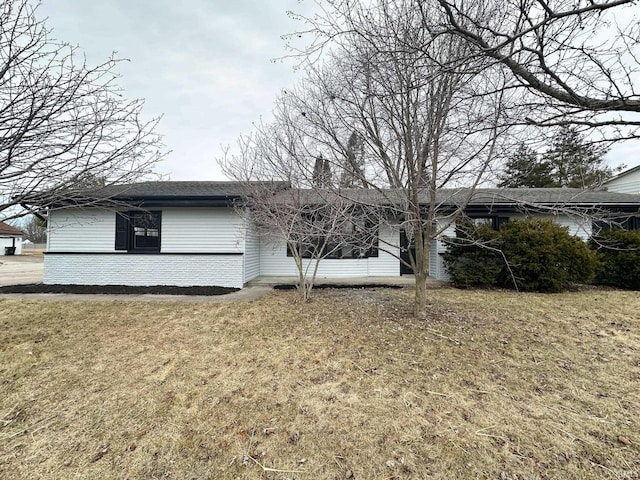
<point x="493" y="385"/>
<point x="116" y="289"/>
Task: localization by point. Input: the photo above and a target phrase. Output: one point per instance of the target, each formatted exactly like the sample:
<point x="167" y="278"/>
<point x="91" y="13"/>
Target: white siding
<point x="251" y="254"/>
<point x="440" y="269"/>
<point x="578" y="226"/>
<point x="274" y="260"/>
<point x="433" y="259"/>
<point x="201" y="230"/>
<point x="183" y="230"/>
<point x="629" y="183"/>
<point x="81" y="230"/>
<point x="143" y="269"/>
<point x="387" y="263"/>
<point x="90" y="234"/>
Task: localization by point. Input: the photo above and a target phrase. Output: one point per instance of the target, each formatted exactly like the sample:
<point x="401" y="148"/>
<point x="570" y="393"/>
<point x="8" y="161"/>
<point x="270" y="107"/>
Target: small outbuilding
<point x="10" y="240"/>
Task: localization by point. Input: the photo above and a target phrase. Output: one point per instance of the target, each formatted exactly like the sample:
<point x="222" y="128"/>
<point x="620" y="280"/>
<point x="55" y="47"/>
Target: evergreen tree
<point x="353" y="172"/>
<point x="526" y="169"/>
<point x="321" y="172"/>
<point x="574" y="163"/>
<point x="569" y="162"/>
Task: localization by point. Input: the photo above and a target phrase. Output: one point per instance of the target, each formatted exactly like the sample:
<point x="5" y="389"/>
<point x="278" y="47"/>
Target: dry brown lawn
<point x="493" y="385"/>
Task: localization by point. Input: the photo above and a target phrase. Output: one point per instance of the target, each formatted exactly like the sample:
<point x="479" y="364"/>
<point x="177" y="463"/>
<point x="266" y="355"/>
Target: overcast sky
<point x="205" y="65"/>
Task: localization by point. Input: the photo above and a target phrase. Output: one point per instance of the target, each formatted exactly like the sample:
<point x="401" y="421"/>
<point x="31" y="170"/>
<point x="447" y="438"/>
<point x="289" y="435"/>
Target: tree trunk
<point x="420" y="303"/>
<point x="421" y="272"/>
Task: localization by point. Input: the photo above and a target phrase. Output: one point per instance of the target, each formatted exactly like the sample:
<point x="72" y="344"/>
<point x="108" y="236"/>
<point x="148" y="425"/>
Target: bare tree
<point x="314" y="224"/>
<point x="426" y="121"/>
<point x="35" y="229"/>
<point x="63" y="124"/>
<point x="573" y="62"/>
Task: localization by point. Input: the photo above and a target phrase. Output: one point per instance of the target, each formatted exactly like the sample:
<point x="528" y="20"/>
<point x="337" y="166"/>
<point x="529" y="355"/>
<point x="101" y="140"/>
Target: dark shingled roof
<point x="487" y="196"/>
<point x="170" y="189"/>
<point x="540" y="196"/>
<point x="223" y="193"/>
<point x="6" y="229"/>
<point x="157" y="194"/>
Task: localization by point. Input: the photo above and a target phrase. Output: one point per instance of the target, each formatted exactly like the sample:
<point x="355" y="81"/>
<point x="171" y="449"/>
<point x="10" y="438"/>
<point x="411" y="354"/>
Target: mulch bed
<point x="116" y="289"/>
<point x="339" y="286"/>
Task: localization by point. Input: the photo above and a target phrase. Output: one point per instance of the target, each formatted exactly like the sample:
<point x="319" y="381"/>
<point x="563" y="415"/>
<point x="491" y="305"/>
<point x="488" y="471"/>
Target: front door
<point x="404" y="254"/>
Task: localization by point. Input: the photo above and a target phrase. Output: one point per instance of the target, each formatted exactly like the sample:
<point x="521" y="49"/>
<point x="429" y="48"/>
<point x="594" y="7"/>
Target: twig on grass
<point x="274" y="470"/>
<point x="438" y="334"/>
<point x="456" y="445"/>
<point x="21" y="432"/>
<point x="360" y="368"/>
<point x="603" y="467"/>
<point x="574" y="438"/>
<point x="437" y="393"/>
<point x="34" y="430"/>
<point x="482" y="434"/>
<point x="486" y="392"/>
<point x="7" y="422"/>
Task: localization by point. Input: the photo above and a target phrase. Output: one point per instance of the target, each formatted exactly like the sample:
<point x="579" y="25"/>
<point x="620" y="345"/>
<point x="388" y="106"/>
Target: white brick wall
<point x="143" y="269"/>
<point x="251" y="254"/>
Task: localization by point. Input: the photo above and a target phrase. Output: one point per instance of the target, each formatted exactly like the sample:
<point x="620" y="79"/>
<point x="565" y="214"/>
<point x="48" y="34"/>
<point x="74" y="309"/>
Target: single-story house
<point x="10" y="240"/>
<point x="191" y="233"/>
<point x="625" y="182"/>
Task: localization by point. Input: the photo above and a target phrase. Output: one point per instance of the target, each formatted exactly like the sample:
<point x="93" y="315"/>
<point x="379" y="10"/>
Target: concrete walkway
<point x="21" y="269"/>
<point x="404" y="280"/>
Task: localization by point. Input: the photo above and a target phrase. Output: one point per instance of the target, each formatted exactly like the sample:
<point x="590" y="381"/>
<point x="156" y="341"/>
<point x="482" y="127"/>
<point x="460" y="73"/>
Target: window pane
<point x="482" y="221"/>
<point x="146" y="231"/>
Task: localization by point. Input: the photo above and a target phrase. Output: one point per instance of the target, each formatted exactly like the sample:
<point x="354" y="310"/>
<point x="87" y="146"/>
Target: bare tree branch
<point x="64" y="125"/>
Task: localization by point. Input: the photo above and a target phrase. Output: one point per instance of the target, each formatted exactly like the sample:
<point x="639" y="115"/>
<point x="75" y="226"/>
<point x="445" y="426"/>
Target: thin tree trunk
<point x="421" y="272"/>
<point x="420" y="303"/>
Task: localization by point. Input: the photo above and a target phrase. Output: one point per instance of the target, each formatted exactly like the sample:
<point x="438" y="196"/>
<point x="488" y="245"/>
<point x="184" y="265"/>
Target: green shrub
<point x="619" y="253"/>
<point x="530" y="255"/>
<point x="473" y="258"/>
<point x="544" y="257"/>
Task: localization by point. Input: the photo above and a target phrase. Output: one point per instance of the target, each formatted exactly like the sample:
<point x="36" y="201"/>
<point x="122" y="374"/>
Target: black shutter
<point x="122" y="231"/>
<point x="501" y="221"/>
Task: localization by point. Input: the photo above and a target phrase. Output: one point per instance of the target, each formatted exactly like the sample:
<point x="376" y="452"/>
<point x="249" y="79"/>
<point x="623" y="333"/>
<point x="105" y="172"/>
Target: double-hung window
<point x="492" y="221"/>
<point x="138" y="231"/>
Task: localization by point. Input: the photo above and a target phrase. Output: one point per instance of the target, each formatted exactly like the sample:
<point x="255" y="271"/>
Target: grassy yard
<point x="493" y="385"/>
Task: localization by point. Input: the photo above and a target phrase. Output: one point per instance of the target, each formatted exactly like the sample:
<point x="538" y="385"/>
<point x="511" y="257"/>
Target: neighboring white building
<point x="10" y="239"/>
<point x="188" y="233"/>
<point x="625" y="182"/>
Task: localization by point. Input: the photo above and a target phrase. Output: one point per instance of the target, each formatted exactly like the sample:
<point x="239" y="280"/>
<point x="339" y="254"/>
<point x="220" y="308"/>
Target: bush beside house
<point x="473" y="257"/>
<point x="530" y="255"/>
<point x="619" y="255"/>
